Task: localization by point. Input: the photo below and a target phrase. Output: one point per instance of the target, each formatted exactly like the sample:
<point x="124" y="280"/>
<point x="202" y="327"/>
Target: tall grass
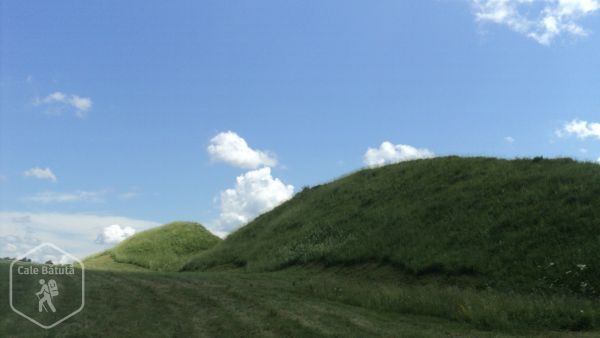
<point x="165" y="248"/>
<point x="527" y="225"/>
<point x="486" y="309"/>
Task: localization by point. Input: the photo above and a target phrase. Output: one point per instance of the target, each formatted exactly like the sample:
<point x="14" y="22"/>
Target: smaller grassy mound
<point x="165" y="248"/>
<point x="105" y="261"/>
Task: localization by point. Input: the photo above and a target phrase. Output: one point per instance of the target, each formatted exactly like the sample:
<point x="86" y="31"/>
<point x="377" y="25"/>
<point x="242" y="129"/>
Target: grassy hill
<point x="497" y="243"/>
<point x="165" y="248"/>
<point x="529" y="225"/>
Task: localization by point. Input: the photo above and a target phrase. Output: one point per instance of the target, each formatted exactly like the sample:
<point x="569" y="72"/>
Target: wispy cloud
<point x="80" y="104"/>
<point x="48" y="197"/>
<point x="581" y="129"/>
<point x="75" y="233"/>
<point x="509" y="139"/>
<point x="230" y="148"/>
<point x="41" y="173"/>
<point x="129" y="195"/>
<point x="389" y="153"/>
<point x="542" y="20"/>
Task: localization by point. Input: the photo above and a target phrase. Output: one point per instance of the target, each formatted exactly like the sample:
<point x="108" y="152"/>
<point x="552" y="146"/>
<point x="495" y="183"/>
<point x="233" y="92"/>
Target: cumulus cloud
<point x="254" y="193"/>
<point x="81" y="104"/>
<point x="581" y="129"/>
<point x="113" y="234"/>
<point x="230" y="148"/>
<point x="75" y="233"/>
<point x="509" y="139"/>
<point x="40" y="173"/>
<point x="542" y="20"/>
<point x="47" y="197"/>
<point x="389" y="153"/>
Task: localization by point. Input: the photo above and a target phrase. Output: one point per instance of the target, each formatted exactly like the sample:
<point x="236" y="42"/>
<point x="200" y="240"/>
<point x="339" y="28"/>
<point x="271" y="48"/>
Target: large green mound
<point x="165" y="248"/>
<point x="528" y="224"/>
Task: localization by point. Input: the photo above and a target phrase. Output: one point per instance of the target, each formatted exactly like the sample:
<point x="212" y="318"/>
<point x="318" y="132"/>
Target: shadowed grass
<point x="290" y="303"/>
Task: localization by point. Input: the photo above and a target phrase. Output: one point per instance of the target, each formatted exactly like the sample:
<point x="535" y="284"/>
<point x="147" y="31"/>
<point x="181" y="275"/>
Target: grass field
<point x="128" y="302"/>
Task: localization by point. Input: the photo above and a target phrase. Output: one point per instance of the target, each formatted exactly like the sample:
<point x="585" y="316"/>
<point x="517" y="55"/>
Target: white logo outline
<point x="82" y="285"/>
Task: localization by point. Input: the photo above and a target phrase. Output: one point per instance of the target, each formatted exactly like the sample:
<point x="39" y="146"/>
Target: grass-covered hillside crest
<point x="165" y="248"/>
<point x="527" y="224"/>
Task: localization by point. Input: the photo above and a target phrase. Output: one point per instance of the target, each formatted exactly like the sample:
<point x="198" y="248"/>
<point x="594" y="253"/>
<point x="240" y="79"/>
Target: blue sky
<point x="108" y="108"/>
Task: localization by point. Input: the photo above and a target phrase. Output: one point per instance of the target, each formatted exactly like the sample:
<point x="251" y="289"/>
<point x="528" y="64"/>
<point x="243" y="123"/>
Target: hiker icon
<point x="45" y="295"/>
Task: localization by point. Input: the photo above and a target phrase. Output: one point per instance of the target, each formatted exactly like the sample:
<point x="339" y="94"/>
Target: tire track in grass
<point x="257" y="318"/>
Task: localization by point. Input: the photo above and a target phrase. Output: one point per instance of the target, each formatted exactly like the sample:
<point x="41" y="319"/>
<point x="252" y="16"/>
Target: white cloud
<point x="598" y="160"/>
<point x="113" y="234"/>
<point x="54" y="97"/>
<point x="390" y="153"/>
<point x="40" y="173"/>
<point x="75" y="233"/>
<point x="542" y="20"/>
<point x="509" y="139"/>
<point x="47" y="197"/>
<point x="255" y="192"/>
<point x="81" y="104"/>
<point x="230" y="148"/>
<point x="129" y="195"/>
<point x="581" y="129"/>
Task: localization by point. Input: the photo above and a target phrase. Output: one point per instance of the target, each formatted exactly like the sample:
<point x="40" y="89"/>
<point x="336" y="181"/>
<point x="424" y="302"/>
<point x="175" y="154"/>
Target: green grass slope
<point x="105" y="261"/>
<point x="530" y="225"/>
<point x="165" y="248"/>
